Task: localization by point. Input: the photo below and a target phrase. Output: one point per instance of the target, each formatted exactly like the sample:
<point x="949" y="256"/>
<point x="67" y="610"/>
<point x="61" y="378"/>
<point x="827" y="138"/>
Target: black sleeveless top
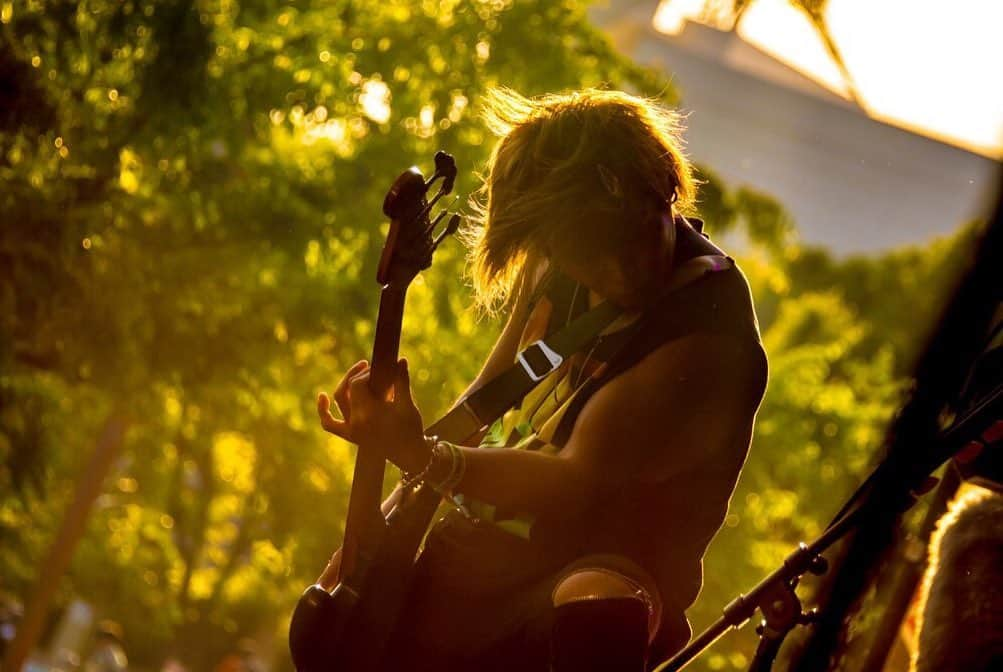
<point x="664" y="525"/>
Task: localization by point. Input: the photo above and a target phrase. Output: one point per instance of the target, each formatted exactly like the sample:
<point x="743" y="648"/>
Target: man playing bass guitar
<point x="582" y="516"/>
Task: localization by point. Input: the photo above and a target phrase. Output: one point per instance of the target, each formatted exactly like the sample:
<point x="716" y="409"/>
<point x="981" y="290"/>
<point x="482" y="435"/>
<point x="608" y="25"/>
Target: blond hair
<point x="581" y="172"/>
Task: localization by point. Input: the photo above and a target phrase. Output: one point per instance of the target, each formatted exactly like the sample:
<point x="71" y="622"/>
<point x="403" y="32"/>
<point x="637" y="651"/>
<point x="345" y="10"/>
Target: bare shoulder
<point x="701" y="375"/>
<point x="699" y="360"/>
<point x="690" y="401"/>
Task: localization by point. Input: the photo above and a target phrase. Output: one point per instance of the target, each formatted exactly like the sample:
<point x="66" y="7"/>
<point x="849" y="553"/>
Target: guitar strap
<point x="541" y="358"/>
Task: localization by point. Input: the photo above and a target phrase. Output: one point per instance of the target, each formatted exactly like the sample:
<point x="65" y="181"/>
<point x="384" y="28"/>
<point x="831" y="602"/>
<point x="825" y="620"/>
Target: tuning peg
<point x="451" y="228"/>
<point x="818" y="565"/>
<point x="454" y="225"/>
<point x="438" y="218"/>
<point x="434" y="223"/>
<point x="445" y="165"/>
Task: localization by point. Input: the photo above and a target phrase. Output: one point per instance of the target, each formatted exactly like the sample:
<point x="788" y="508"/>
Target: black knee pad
<point x="609" y="633"/>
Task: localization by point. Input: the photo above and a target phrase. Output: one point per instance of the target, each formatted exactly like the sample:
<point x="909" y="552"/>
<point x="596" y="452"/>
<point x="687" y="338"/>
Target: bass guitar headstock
<point x="410" y="242"/>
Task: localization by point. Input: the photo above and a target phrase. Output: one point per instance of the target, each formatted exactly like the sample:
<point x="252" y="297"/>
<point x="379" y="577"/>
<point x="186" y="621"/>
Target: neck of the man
<point x="660" y="273"/>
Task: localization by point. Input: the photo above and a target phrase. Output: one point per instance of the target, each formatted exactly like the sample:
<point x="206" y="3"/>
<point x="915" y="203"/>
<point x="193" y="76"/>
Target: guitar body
<point x="347" y="631"/>
<point x="347" y="628"/>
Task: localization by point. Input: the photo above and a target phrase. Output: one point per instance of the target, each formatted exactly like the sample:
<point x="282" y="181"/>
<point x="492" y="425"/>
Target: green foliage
<point x="191" y="226"/>
<point x="189" y="231"/>
<point x="841" y="336"/>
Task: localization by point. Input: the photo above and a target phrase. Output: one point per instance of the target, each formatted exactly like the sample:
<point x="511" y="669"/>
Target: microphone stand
<point x="887" y="491"/>
<point x="774" y="596"/>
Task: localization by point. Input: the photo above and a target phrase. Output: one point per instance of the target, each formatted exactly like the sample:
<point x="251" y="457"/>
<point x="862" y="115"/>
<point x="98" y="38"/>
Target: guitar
<point x="346" y="628"/>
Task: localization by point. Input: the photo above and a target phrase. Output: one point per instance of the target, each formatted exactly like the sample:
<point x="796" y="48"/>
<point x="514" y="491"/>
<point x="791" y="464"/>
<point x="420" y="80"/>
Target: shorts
<point x="444" y="629"/>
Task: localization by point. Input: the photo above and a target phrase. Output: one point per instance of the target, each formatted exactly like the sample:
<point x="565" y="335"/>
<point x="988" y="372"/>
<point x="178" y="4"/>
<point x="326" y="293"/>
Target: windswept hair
<point x="582" y="173"/>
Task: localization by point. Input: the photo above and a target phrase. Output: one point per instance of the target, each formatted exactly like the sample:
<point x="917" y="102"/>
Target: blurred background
<point x="190" y="222"/>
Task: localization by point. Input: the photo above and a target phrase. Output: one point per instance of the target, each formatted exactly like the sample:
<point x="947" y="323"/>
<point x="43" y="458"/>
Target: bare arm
<point x="501" y="357"/>
<point x="682" y="406"/>
<point x="503" y="353"/>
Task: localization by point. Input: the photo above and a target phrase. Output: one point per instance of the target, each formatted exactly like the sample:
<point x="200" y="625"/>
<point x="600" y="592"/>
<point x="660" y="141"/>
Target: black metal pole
<point x="904" y="587"/>
<point x="742" y="608"/>
<point x="881" y="499"/>
<point x="940" y="376"/>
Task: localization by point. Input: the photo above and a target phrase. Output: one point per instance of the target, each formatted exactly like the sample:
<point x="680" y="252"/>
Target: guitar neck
<point x="365" y="524"/>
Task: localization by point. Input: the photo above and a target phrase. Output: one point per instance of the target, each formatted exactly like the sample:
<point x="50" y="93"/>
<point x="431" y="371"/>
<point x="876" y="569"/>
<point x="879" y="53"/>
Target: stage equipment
<point x="956" y="408"/>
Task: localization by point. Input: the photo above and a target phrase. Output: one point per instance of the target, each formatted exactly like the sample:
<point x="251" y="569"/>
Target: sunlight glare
<point x="671" y="15"/>
<point x="789" y="36"/>
<point x="375" y="100"/>
<point x="925" y="65"/>
<point x="930" y="64"/>
<point x="333" y="130"/>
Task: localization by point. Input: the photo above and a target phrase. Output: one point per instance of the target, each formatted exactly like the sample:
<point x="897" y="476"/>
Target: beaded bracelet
<point x="457" y="466"/>
<point x="407" y="478"/>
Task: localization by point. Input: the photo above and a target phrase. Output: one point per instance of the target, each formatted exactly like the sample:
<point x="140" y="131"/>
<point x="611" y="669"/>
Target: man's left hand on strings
<point x="393" y="426"/>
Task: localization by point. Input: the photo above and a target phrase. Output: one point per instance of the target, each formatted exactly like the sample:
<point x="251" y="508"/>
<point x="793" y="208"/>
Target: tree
<point x="191" y="208"/>
<point x="190" y="229"/>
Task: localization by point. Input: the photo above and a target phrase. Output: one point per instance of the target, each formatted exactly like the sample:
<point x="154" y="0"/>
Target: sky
<point x="931" y="66"/>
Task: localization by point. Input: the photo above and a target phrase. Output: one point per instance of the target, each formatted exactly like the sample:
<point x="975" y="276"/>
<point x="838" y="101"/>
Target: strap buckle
<point x="547" y="352"/>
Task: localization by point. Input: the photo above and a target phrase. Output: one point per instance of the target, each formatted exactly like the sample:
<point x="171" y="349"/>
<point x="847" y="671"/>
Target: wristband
<point x="440" y="452"/>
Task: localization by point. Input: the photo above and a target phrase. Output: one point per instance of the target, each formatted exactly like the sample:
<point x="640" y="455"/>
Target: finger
<point x="328" y="421"/>
<point x="341" y="396"/>
<point x="360" y="395"/>
<point x="402" y="386"/>
<point x="358" y="385"/>
<point x="364" y="374"/>
<point x="337" y="427"/>
<point x="323" y="405"/>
